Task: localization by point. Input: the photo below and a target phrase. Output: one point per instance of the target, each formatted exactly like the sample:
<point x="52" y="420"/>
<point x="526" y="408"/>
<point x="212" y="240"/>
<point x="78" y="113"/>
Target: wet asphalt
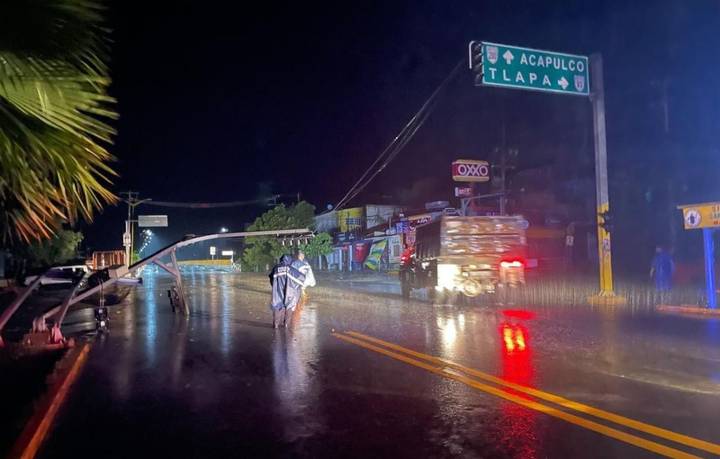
<point x="223" y="383"/>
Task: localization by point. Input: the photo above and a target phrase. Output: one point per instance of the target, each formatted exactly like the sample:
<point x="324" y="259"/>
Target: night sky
<point x="220" y="103"/>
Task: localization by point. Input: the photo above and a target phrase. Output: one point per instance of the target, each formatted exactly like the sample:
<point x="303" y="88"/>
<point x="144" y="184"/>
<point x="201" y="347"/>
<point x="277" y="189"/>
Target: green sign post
<point x="526" y="68"/>
<point x="507" y="66"/>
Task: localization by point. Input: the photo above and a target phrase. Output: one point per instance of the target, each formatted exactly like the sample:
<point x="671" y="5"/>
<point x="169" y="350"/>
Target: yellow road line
<point x="582" y="422"/>
<point x="37" y="428"/>
<point x="602" y="414"/>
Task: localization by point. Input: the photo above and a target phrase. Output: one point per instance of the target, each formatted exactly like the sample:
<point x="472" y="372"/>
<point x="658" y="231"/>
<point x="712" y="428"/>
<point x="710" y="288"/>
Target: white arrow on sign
<point x="508" y="56"/>
<point x="563" y="83"/>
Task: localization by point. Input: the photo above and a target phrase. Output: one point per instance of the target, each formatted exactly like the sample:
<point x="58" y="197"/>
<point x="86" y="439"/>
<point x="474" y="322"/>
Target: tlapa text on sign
<point x="470" y="170"/>
<point x="526" y="68"/>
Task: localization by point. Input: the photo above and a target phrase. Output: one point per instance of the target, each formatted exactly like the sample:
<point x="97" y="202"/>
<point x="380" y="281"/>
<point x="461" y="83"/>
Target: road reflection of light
<point x="212" y="289"/>
<point x="177" y="343"/>
<point x="609" y="326"/>
<point x="124" y="364"/>
<point x="129" y="313"/>
<point x="293" y="352"/>
<point x="516" y="354"/>
<point x="151" y="318"/>
<point x="228" y="295"/>
<point x="448" y="334"/>
<point x="519" y="423"/>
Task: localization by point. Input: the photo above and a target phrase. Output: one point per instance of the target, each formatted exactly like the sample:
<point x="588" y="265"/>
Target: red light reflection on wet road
<point x="517" y="367"/>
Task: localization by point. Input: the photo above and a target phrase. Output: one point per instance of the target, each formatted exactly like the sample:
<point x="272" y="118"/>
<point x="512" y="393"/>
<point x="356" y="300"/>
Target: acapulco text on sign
<point x="527" y="68"/>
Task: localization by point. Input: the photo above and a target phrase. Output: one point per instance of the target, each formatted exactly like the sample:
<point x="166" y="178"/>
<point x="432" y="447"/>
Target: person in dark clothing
<point x="662" y="269"/>
<point x="286" y="283"/>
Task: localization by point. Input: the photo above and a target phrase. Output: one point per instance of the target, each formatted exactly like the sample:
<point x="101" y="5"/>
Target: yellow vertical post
<point x="604" y="253"/>
<point x="597" y="98"/>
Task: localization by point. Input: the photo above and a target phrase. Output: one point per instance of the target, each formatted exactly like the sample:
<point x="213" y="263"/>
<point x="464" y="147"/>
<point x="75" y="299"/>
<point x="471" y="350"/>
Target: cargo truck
<point x="466" y="255"/>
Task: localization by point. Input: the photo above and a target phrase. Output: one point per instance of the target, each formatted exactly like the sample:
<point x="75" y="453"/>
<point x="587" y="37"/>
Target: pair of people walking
<point x="288" y="280"/>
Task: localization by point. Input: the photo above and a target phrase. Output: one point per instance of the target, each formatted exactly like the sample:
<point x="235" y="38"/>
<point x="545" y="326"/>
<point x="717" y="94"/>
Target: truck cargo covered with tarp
<point x="472" y="255"/>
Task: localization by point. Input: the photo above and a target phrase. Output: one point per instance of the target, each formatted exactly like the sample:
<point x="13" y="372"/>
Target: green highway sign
<point x="525" y="68"/>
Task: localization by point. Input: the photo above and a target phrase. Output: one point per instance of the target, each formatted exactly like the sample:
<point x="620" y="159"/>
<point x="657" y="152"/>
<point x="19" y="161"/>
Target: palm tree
<point x="54" y="113"/>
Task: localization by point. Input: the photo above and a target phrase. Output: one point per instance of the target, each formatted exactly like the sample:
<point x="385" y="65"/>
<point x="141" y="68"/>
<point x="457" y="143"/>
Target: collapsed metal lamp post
<point x="55" y="333"/>
<point x="15" y="305"/>
<point x="174" y="270"/>
<point x="116" y="275"/>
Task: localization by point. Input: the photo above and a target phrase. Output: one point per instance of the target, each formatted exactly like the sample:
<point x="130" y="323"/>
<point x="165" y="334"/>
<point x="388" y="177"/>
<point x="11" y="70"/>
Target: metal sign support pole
<point x="597" y="98"/>
<point x="127" y="240"/>
<point x="709" y="246"/>
<point x="178" y="281"/>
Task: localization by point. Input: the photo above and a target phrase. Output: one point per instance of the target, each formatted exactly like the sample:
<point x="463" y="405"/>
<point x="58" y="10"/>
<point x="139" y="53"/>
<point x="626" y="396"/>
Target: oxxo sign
<point x="470" y="170"/>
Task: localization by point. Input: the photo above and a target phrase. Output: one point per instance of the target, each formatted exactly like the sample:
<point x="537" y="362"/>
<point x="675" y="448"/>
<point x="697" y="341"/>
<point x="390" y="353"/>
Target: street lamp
<point x="223" y="230"/>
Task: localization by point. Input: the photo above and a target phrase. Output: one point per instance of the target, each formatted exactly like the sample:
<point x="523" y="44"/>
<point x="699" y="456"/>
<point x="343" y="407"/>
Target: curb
<point x="607" y="300"/>
<point x="689" y="310"/>
<point x="36" y="429"/>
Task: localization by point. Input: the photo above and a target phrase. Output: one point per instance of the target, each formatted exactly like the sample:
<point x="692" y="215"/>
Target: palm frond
<point x="54" y="118"/>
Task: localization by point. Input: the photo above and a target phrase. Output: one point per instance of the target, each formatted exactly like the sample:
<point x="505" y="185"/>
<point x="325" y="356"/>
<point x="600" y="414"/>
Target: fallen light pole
<point x="15" y="305"/>
<point x="122" y="274"/>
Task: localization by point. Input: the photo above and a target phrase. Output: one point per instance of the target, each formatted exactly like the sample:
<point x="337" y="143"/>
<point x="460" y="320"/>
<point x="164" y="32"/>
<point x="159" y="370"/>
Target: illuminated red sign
<point x="470" y="170"/>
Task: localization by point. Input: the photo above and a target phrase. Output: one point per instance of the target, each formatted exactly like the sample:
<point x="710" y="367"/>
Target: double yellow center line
<point x="473" y="378"/>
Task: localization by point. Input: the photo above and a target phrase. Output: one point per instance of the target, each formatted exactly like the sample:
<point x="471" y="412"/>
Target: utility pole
<point x="503" y="161"/>
<point x="503" y="183"/>
<point x="668" y="145"/>
<point x="132" y="200"/>
<point x="505" y="152"/>
<point x="503" y="168"/>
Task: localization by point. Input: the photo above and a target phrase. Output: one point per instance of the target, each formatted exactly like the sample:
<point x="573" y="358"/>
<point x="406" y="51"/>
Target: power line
<point x="395" y="152"/>
<point x="400" y="141"/>
<point x="216" y="205"/>
<point x="208" y="205"/>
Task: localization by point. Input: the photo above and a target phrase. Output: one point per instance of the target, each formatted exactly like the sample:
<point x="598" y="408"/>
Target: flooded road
<point x="362" y="373"/>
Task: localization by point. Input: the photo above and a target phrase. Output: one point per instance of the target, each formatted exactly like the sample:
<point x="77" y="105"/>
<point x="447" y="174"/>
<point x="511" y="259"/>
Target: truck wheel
<point x="471" y="288"/>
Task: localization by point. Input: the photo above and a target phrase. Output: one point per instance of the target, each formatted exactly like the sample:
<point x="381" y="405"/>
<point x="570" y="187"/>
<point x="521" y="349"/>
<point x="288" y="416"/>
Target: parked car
<point x="60" y="275"/>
